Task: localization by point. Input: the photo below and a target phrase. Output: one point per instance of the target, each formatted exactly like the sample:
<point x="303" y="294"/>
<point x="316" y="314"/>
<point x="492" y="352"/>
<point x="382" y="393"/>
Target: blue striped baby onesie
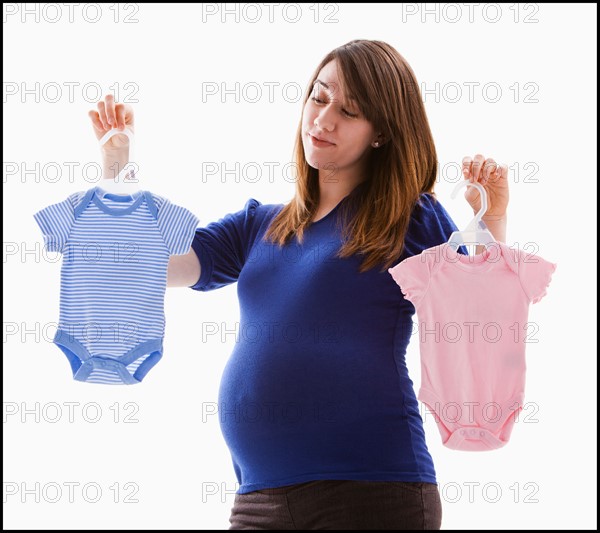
<point x="115" y="252"/>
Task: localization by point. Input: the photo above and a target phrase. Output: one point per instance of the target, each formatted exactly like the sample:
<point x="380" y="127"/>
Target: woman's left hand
<point x="493" y="177"/>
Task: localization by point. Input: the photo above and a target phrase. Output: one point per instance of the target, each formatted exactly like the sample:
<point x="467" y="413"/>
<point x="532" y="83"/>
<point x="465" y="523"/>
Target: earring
<point x="375" y="144"/>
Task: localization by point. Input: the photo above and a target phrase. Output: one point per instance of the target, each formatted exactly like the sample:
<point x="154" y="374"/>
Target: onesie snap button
<point x="463" y="432"/>
<point x="472" y="432"/>
<point x="481" y="433"/>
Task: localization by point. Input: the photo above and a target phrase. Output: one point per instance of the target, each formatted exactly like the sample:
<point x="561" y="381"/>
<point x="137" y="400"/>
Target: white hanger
<point x="476" y="232"/>
<point x="127" y="180"/>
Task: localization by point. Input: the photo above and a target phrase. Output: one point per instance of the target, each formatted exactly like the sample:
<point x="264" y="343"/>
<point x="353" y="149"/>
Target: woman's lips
<point x="319" y="144"/>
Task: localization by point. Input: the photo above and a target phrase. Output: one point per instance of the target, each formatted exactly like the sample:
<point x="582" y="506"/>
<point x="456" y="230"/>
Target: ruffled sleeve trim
<point x="549" y="274"/>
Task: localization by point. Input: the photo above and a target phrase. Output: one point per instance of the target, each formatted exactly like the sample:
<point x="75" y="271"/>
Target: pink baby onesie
<point x="473" y="314"/>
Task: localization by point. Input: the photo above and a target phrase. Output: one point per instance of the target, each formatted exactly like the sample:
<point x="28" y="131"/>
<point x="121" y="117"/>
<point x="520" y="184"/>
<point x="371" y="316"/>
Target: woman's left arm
<point x="493" y="177"/>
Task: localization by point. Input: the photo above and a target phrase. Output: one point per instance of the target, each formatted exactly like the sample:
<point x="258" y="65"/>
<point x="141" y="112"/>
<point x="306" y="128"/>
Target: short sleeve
<point x="177" y="226"/>
<point x="412" y="275"/>
<point x="56" y="221"/>
<point x="222" y="247"/>
<point x="535" y="274"/>
<point x="430" y="225"/>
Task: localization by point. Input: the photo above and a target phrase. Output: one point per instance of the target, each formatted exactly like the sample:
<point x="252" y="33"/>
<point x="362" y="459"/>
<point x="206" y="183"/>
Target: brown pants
<point x="340" y="504"/>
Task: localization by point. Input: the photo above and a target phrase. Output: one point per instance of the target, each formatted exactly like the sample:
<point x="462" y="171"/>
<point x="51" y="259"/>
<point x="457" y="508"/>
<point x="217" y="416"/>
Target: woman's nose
<point x="325" y="120"/>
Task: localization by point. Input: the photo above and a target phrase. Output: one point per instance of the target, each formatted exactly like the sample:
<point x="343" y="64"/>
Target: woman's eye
<point x="316" y="100"/>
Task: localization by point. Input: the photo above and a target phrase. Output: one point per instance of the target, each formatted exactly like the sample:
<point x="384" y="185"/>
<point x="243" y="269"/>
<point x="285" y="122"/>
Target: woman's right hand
<point x="109" y="116"/>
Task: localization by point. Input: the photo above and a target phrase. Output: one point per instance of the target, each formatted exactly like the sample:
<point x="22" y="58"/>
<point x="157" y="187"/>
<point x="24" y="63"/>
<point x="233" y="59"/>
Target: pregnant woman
<point x="316" y="404"/>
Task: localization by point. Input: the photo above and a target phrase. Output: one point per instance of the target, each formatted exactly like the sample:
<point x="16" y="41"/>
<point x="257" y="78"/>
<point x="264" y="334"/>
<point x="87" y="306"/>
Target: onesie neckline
<point x="475" y="264"/>
<point x="99" y="193"/>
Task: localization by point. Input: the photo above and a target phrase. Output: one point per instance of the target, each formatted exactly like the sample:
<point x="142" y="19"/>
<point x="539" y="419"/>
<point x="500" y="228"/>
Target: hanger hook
<point x="482" y="194"/>
<point x="116" y="131"/>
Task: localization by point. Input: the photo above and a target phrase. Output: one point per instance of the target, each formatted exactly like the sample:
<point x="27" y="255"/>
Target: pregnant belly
<point x="311" y="408"/>
<point x="263" y="390"/>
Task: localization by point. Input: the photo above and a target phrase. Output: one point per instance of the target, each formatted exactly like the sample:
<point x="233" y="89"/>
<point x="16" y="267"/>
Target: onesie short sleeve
<point x="430" y="225"/>
<point x="535" y="274"/>
<point x="56" y="221"/>
<point x="412" y="275"/>
<point x="177" y="226"/>
<point x="222" y="247"/>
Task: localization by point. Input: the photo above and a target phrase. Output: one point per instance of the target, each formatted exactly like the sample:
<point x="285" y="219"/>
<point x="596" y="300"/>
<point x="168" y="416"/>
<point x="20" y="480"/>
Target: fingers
<point x="109" y="108"/>
<point x="466" y="167"/>
<point x="493" y="171"/>
<point x="97" y="123"/>
<point x="481" y="170"/>
<point x="111" y="115"/>
<point x="107" y="114"/>
<point x="476" y="167"/>
<point x="120" y="116"/>
<point x="128" y="115"/>
<point x="102" y="115"/>
<point x="501" y="171"/>
<point x="489" y="167"/>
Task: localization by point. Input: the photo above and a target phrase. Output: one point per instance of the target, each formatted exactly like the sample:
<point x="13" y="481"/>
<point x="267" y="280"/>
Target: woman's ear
<point x="379" y="141"/>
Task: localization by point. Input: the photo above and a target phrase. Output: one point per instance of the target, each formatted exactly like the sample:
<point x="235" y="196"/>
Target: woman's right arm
<point x="183" y="270"/>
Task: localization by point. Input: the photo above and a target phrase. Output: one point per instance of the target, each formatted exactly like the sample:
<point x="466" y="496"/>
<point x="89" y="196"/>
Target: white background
<point x="154" y="457"/>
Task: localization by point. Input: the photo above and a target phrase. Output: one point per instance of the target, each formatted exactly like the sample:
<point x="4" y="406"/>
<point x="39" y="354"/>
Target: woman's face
<point x="349" y="134"/>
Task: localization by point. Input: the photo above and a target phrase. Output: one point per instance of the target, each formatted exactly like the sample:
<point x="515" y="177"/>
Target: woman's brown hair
<point x="387" y="94"/>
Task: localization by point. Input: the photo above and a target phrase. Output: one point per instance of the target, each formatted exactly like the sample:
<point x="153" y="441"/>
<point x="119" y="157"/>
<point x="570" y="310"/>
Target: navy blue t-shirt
<point x="317" y="385"/>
